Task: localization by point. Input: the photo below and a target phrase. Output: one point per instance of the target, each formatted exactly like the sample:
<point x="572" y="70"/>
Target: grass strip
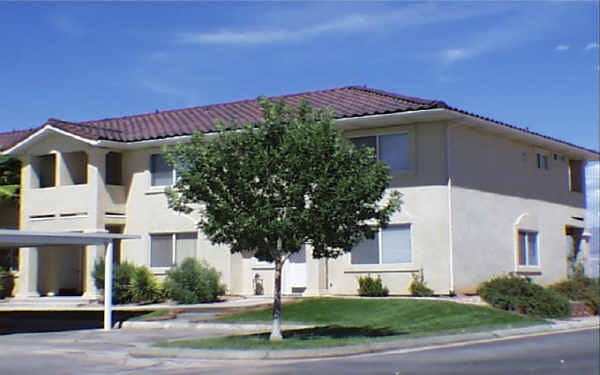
<point x="351" y="321"/>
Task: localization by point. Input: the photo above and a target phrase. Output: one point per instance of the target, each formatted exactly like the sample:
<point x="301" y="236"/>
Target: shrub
<point x="580" y="288"/>
<point x="7" y="283"/>
<point x="144" y="286"/>
<point x="370" y="287"/>
<point x="122" y="277"/>
<point x="417" y="286"/>
<point x="514" y="293"/>
<point x="194" y="282"/>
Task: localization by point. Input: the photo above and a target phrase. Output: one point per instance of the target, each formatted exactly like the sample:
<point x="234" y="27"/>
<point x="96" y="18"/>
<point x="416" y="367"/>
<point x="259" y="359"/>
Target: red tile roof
<point x="347" y="102"/>
<point x="11" y="138"/>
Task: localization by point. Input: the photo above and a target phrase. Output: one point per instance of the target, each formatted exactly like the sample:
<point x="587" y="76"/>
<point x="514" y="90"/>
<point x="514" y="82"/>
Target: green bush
<point x="194" y="282"/>
<point x="122" y="278"/>
<point x="580" y="288"/>
<point x="417" y="286"/>
<point x="370" y="287"/>
<point x="144" y="286"/>
<point x="514" y="293"/>
<point x="7" y="283"/>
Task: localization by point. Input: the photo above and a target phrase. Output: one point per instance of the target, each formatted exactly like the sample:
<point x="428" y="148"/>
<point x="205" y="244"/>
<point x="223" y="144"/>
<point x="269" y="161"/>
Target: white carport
<point x="17" y="238"/>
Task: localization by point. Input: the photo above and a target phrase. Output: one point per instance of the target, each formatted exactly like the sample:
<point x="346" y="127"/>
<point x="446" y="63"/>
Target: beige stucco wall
<point x="425" y="208"/>
<point x="497" y="189"/>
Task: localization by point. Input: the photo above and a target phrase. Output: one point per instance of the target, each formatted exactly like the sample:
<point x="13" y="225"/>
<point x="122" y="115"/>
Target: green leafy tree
<point x="10" y="169"/>
<point x="271" y="187"/>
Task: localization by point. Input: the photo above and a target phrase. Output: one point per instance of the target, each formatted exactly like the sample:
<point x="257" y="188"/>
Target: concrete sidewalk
<point x="557" y="326"/>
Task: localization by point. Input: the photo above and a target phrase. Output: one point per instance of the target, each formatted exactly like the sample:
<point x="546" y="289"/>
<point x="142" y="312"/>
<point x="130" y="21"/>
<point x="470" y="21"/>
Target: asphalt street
<point x="96" y="352"/>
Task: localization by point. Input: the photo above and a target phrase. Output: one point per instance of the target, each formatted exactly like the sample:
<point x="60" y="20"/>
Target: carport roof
<point x="17" y="238"/>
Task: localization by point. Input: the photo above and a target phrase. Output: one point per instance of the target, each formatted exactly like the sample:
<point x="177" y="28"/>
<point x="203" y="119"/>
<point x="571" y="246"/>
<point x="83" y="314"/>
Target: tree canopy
<point x="10" y="169"/>
<point x="292" y="179"/>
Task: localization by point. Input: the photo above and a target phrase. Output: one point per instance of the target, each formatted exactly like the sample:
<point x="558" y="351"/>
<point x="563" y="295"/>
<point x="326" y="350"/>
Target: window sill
<point x="381" y="268"/>
<point x="528" y="271"/>
<point x="160" y="270"/>
<point x="263" y="267"/>
<point x="156" y="190"/>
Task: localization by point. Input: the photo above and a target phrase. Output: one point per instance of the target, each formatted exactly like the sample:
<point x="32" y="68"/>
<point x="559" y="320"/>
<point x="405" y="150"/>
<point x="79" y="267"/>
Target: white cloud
<point x="514" y="29"/>
<point x="561" y="47"/>
<point x="593" y="45"/>
<point x="592" y="182"/>
<point x="421" y="14"/>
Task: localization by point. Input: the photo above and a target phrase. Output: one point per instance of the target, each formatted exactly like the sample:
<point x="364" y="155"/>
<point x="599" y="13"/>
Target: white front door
<point x="294" y="273"/>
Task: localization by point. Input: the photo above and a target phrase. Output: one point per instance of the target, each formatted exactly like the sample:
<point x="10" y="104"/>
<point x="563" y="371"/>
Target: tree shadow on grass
<point x="338" y="332"/>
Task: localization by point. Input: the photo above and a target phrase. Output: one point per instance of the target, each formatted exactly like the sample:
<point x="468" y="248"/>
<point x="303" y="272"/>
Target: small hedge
<point x="7" y="283"/>
<point x="370" y="287"/>
<point x="418" y="288"/>
<point x="144" y="286"/>
<point x="194" y="282"/>
<point x="514" y="293"/>
<point x="580" y="288"/>
<point x="130" y="283"/>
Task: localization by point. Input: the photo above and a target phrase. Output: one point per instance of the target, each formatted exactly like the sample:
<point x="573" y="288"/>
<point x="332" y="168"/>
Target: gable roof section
<point x="9" y="139"/>
<point x="347" y="102"/>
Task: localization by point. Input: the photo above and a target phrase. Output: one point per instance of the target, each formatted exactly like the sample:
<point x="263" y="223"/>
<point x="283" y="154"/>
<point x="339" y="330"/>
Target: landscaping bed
<point x="339" y="321"/>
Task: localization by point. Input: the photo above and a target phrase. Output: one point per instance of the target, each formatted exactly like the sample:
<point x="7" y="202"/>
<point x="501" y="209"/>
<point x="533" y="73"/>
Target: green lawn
<point x="351" y="321"/>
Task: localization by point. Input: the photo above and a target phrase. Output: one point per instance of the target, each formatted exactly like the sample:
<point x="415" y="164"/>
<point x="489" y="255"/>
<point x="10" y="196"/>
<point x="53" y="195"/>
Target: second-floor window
<point x="543" y="161"/>
<point x="162" y="173"/>
<point x="392" y="149"/>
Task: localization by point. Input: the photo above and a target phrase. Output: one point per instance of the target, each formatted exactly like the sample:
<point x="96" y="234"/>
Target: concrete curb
<point x="244" y="327"/>
<point x="421" y="342"/>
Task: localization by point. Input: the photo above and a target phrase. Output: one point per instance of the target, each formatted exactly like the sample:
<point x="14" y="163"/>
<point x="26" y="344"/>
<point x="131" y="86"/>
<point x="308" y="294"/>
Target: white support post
<point x="108" y="265"/>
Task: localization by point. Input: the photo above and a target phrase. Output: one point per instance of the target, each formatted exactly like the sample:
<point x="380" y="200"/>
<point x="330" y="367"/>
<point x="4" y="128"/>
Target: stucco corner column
<point x="28" y="275"/>
<point x="92" y="254"/>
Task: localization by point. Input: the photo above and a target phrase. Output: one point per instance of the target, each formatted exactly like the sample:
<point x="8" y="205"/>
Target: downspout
<point x="450" y="226"/>
<point x="451" y="288"/>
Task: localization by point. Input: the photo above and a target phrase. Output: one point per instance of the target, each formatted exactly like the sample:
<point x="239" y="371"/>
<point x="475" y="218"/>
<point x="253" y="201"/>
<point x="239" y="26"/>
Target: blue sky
<point x="532" y="64"/>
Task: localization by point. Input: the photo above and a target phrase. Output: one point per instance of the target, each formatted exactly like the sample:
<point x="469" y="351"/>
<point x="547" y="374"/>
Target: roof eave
<point x="41" y="133"/>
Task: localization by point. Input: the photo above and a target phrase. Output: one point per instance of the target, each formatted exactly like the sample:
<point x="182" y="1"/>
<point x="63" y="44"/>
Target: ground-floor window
<point x="9" y="259"/>
<point x="169" y="249"/>
<point x="391" y="245"/>
<point x="528" y="248"/>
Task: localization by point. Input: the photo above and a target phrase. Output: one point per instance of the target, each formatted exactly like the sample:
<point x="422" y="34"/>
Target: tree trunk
<point x="276" y="331"/>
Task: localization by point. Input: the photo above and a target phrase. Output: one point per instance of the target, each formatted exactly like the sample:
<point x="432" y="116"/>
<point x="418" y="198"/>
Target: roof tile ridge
<point x="435" y="102"/>
<point x="84" y="124"/>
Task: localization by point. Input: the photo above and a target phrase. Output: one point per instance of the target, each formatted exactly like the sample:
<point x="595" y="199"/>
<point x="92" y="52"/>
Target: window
<point x="393" y="149"/>
<point x="543" y="161"/>
<point x="166" y="250"/>
<point x="162" y="173"/>
<point x="44" y="168"/>
<point x="576" y="176"/>
<point x="114" y="169"/>
<point x="390" y="246"/>
<point x="528" y="248"/>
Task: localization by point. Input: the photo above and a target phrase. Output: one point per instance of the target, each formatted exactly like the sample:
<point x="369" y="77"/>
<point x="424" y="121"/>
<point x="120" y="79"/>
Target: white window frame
<point x="173" y="249"/>
<point x="528" y="264"/>
<point x="542" y="156"/>
<point x="379" y="237"/>
<point x="411" y="145"/>
<point x="173" y="174"/>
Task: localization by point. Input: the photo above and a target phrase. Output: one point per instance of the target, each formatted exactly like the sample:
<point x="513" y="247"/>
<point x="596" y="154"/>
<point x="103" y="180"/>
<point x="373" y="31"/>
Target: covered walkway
<point x="24" y="240"/>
